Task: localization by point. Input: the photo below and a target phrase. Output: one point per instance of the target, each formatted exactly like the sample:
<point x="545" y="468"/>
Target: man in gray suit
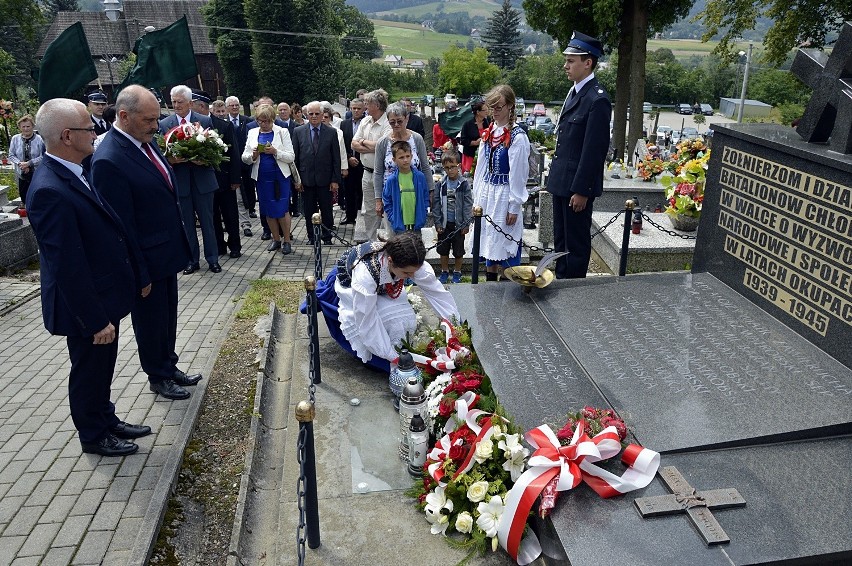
<point x="318" y="160"/>
<point x="196" y="184"/>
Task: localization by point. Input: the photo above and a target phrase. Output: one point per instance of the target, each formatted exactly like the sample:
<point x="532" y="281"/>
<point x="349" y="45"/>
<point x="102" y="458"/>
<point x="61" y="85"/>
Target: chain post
<point x="625" y="240"/>
<point x="477" y="231"/>
<point x="316" y="221"/>
<point x="313" y="329"/>
<point x="307" y="488"/>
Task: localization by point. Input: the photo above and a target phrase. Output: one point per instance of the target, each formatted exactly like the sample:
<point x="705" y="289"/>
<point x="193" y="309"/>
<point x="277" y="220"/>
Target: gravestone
<point x="18" y="246"/>
<point x="739" y="373"/>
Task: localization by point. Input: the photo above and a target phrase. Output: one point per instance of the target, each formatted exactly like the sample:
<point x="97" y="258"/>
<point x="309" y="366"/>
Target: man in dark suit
<point x="318" y="160"/>
<point x="286" y="121"/>
<point x="415" y="122"/>
<point x="352" y="183"/>
<point x="89" y="274"/>
<point x="576" y="171"/>
<point x="97" y="105"/>
<point x="142" y="189"/>
<point x="228" y="176"/>
<point x="196" y="184"/>
<point x="247" y="188"/>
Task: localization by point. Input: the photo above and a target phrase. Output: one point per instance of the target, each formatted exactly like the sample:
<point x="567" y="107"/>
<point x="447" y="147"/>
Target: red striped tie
<point x="158" y="164"/>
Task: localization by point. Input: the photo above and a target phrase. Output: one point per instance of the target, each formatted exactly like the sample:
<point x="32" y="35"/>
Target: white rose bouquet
<point x="191" y="142"/>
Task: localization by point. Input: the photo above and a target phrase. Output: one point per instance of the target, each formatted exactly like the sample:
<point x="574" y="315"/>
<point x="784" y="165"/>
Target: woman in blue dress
<point x="270" y="152"/>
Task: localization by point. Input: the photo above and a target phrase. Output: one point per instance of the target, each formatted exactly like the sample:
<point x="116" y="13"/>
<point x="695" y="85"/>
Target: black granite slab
<point x="776" y="226"/>
<point x="797" y="511"/>
<point x="535" y="377"/>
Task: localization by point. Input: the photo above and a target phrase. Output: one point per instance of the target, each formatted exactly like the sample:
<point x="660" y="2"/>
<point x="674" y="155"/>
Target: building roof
<point x="104" y="36"/>
<point x="748" y="102"/>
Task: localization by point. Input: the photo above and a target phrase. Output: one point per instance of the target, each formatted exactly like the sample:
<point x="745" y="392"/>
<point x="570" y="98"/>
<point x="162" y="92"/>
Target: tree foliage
<point x="465" y="73"/>
<point x="777" y="87"/>
<point x="796" y="22"/>
<point x="53" y="6"/>
<point x="233" y="48"/>
<point x="359" y="39"/>
<point x="503" y="37"/>
<point x="539" y="77"/>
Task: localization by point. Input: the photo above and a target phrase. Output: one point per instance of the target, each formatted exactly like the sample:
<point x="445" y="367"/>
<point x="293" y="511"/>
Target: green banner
<point x="163" y="57"/>
<point x="66" y="66"/>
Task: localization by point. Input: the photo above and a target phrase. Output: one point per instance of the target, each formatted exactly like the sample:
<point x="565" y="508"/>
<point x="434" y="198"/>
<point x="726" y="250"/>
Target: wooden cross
<point x="829" y="112"/>
<point x="696" y="504"/>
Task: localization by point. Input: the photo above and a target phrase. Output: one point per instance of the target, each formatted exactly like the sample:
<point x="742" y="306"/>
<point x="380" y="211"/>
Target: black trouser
<point x="314" y="197"/>
<point x="247" y="188"/>
<point x="92" y="367"/>
<point x="572" y="233"/>
<point x="155" y="323"/>
<point x="23" y="187"/>
<point x="225" y="212"/>
<point x="353" y="192"/>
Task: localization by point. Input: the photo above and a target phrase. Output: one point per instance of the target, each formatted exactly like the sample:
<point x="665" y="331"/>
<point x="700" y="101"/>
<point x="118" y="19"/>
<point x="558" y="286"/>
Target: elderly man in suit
<point x="352" y="182"/>
<point x="142" y="189"/>
<point x="89" y="274"/>
<point x="576" y="172"/>
<point x="196" y="183"/>
<point x="318" y="160"/>
<point x="248" y="196"/>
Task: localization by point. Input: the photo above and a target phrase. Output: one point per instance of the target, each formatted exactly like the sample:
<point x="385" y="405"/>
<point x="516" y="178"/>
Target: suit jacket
<point x="240" y="131"/>
<point x="582" y="142"/>
<point x="320" y="168"/>
<point x="98" y="129"/>
<point x="230" y="172"/>
<point x="190" y="175"/>
<point x="88" y="276"/>
<point x="415" y="124"/>
<point x="348" y="128"/>
<point x="140" y="196"/>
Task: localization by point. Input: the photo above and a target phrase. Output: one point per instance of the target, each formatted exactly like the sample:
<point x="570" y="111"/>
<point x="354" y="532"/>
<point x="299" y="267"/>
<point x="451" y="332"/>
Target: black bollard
<point x="625" y="240"/>
<point x="316" y="221"/>
<point x="305" y="412"/>
<point x="313" y="329"/>
<point x="477" y="231"/>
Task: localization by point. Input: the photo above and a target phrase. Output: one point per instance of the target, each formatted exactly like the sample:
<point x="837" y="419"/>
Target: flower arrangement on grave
<point x="686" y="151"/>
<point x="479" y="482"/>
<point x="650" y="168"/>
<point x="685" y="191"/>
<point x="7" y="109"/>
<point x="192" y="142"/>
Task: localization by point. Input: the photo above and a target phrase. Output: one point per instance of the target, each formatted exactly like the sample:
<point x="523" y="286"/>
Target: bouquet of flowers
<point x="685" y="191"/>
<point x="686" y="151"/>
<point x="194" y="143"/>
<point x="7" y="109"/>
<point x="650" y="168"/>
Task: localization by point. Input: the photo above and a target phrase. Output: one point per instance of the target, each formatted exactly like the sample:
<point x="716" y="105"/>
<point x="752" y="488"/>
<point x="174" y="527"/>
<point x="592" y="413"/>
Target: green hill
<point x="412" y="41"/>
<point x="484" y="8"/>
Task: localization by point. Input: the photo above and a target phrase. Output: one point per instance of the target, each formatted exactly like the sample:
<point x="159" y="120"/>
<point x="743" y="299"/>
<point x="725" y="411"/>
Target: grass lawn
<point x="484" y="8"/>
<point x="412" y="41"/>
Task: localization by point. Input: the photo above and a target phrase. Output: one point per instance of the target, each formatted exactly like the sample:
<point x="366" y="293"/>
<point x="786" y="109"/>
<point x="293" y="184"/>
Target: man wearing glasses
<point x="89" y="274"/>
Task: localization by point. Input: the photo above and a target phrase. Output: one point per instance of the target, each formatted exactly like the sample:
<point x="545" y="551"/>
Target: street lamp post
<point x="737" y="75"/>
<point x="745" y="84"/>
<point x="109" y="61"/>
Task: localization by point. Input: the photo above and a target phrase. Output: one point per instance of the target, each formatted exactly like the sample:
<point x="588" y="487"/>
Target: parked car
<point x="687" y="133"/>
<point x="539" y="110"/>
<point x="661" y="132"/>
<point x="706" y="109"/>
<point x="646" y="107"/>
<point x="520" y="107"/>
<point x="683" y="109"/>
<point x="451" y="99"/>
<point x="544" y="124"/>
<point x="530" y="120"/>
<point x="428" y="99"/>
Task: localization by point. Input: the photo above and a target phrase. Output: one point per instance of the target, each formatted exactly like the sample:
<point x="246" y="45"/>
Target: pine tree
<point x="503" y="38"/>
<point x="51" y="7"/>
<point x="233" y="47"/>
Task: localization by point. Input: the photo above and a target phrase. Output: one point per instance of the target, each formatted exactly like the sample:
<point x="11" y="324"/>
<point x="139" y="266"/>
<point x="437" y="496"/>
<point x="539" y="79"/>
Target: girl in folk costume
<point x="500" y="182"/>
<point x="365" y="303"/>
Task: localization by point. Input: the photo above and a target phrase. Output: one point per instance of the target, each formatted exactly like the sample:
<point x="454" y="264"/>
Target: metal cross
<point x="829" y="112"/>
<point x="696" y="504"/>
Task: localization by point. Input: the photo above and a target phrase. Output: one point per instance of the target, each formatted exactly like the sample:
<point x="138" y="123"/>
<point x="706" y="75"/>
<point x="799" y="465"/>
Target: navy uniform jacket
<point x="88" y="277"/>
<point x="137" y="192"/>
<point x="189" y="174"/>
<point x="582" y="142"/>
<point x="320" y="169"/>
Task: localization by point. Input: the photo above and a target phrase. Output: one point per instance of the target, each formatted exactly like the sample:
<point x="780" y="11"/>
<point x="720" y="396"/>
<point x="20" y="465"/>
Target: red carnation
<point x="589" y="412"/>
<point x="180" y="135"/>
<point x="472" y="384"/>
<point x="457" y="452"/>
<point x="446" y="407"/>
<point x="566" y="432"/>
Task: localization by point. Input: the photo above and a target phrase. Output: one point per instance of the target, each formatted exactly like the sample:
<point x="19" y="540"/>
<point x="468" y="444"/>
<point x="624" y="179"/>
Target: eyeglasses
<point x="314" y="113"/>
<point x="497" y="108"/>
<point x="90" y="130"/>
<point x="396" y="122"/>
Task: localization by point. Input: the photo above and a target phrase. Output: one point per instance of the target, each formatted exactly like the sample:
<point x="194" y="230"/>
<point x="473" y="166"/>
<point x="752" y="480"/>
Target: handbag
<point x="296" y="180"/>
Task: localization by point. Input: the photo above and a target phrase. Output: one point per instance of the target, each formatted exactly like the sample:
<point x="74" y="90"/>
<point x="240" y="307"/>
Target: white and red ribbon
<point x="572" y="465"/>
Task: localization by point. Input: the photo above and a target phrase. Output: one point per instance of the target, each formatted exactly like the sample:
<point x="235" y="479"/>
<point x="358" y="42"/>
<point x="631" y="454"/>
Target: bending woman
<point x="364" y="299"/>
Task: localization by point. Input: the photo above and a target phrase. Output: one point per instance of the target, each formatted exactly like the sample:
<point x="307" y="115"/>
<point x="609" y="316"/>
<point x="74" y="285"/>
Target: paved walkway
<point x="59" y="506"/>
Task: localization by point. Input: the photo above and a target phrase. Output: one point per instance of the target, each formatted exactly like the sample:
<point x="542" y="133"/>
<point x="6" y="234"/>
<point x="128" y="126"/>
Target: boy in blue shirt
<point x="452" y="207"/>
<point x="405" y="195"/>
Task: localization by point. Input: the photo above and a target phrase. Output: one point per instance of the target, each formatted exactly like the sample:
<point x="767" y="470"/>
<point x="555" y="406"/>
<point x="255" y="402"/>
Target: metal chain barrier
<point x="450" y="236"/>
<point x="603" y="228"/>
<point x="511" y="239"/>
<point x="300" y="497"/>
<point x="669" y="232"/>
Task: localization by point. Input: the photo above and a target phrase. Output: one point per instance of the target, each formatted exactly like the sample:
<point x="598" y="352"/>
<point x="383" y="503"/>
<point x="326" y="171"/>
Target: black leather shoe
<point x="191" y="268"/>
<point x="235" y="255"/>
<point x="275" y="245"/>
<point x="169" y="389"/>
<point x="215" y="268"/>
<point x="185" y="380"/>
<point x="266" y="236"/>
<point x="252" y="214"/>
<point x="247" y="232"/>
<point x="110" y="445"/>
<point x="127" y="430"/>
<point x="326" y="242"/>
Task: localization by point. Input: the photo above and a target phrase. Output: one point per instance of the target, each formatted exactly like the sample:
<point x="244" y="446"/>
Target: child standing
<point x="405" y="196"/>
<point x="452" y="207"/>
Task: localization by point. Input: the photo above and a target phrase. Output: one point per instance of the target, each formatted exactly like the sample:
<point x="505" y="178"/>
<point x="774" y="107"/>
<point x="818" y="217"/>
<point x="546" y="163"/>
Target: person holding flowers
<point x="269" y="151"/>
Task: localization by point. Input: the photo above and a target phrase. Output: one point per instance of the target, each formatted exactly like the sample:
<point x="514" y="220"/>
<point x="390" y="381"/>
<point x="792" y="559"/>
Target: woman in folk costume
<point x="500" y="183"/>
<point x="364" y="299"/>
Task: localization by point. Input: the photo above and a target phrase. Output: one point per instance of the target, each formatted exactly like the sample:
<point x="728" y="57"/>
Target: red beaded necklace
<point x="393" y="290"/>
